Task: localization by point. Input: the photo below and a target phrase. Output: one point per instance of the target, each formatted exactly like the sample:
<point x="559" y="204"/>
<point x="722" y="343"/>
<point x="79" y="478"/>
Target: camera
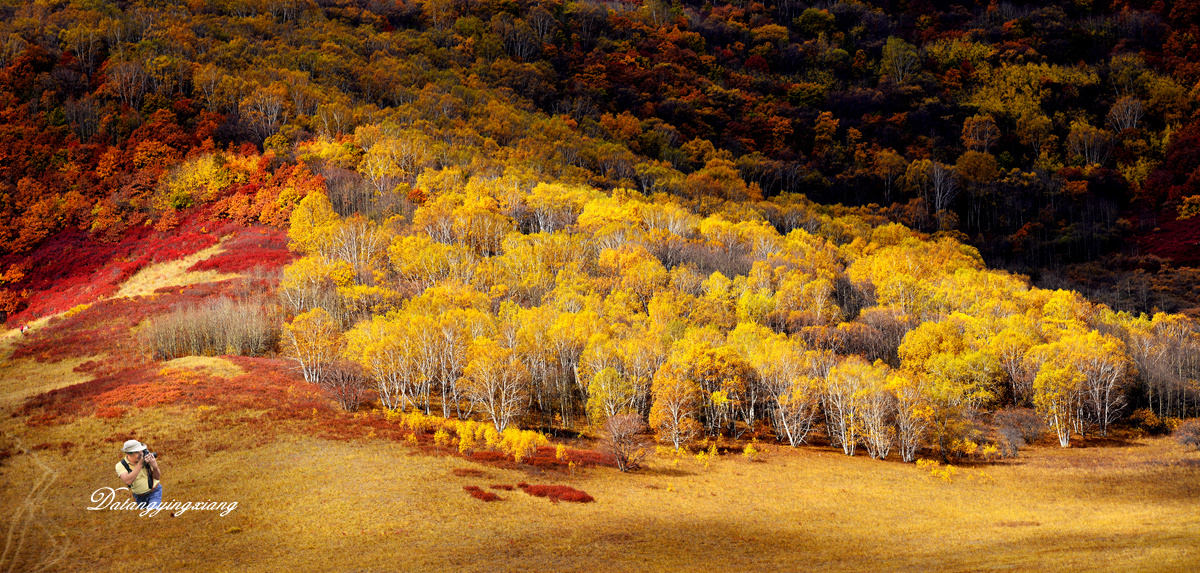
<point x="148" y="453"/>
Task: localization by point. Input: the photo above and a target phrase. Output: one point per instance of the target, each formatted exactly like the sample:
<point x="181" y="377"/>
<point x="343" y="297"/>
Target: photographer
<point x="139" y="470"/>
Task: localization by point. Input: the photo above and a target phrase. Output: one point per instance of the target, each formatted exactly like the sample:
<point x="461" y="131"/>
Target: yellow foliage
<point x="441" y="438"/>
<point x="373" y="299"/>
<point x="937" y="470"/>
<point x="419" y="259"/>
<point x="557" y="205"/>
<point x="305" y="278"/>
<point x="312" y="223"/>
<point x="950" y="52"/>
<point x="466" y="436"/>
<point x="705" y="457"/>
<point x="342" y="154"/>
<point x="521" y="444"/>
<point x="419" y="422"/>
<point x="442" y="181"/>
<point x="446" y="297"/>
<point x="197" y="180"/>
<point x="606" y="211"/>
<point x="905" y="274"/>
<point x="673" y="412"/>
<point x="1189" y="207"/>
<point x="76" y="310"/>
<point x="489" y="435"/>
<point x="392" y="157"/>
<point x="1018" y="89"/>
<point x="314" y="341"/>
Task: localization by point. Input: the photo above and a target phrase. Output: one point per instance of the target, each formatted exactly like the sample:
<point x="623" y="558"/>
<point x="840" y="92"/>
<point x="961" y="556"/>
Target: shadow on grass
<point x="1108" y="442"/>
<point x="664" y="472"/>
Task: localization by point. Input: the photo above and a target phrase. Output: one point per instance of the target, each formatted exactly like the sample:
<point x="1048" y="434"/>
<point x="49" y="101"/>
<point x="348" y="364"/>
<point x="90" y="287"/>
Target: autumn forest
<point x="914" y="230"/>
<point x="861" y="270"/>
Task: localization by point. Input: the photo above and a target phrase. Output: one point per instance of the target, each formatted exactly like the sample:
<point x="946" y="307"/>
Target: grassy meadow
<point x="307" y="503"/>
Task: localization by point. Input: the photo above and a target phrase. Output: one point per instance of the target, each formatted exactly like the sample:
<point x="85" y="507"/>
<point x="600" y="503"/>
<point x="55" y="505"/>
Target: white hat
<point x="133" y="446"/>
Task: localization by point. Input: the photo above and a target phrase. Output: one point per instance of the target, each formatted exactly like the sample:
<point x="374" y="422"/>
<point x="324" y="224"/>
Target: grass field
<point x="306" y="503"/>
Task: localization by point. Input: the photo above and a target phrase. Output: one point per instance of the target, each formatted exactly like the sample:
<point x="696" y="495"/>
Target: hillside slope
<point x="317" y="488"/>
<point x="1048" y="134"/>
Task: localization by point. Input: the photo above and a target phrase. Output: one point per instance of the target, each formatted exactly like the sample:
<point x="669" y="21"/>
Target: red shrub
<point x="63" y="405"/>
<point x="546" y="458"/>
<point x="1171" y="240"/>
<point x="64" y="447"/>
<point x="70" y="268"/>
<point x="255" y="247"/>
<point x="500" y="486"/>
<point x="110" y="412"/>
<point x="488" y="457"/>
<point x="121" y="437"/>
<point x="344" y="426"/>
<point x="105" y="328"/>
<point x="576" y="496"/>
<point x="266" y="385"/>
<point x="480" y="494"/>
<point x="557" y="493"/>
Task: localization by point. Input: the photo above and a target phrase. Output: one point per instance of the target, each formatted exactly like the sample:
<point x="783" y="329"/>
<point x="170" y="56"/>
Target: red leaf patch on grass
<point x="557" y="493"/>
<point x="255" y="247"/>
<point x="71" y="268"/>
<point x="480" y="494"/>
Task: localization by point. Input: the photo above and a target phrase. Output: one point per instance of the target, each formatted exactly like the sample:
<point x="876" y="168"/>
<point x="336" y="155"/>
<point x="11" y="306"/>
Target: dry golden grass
<point x="22" y="378"/>
<point x="214" y="365"/>
<point x="306" y="504"/>
<point x="172" y="273"/>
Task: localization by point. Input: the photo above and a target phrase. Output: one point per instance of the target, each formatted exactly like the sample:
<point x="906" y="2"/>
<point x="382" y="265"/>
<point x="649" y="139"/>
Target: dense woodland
<point x="742" y="219"/>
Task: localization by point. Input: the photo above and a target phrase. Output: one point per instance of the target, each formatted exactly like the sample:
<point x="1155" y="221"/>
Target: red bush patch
<point x="71" y="268"/>
<point x="110" y="412"/>
<point x="488" y="456"/>
<point x="267" y="384"/>
<point x="557" y="493"/>
<point x="480" y="494"/>
<point x="256" y="247"/>
<point x="106" y="327"/>
<point x="546" y="458"/>
<point x="501" y="486"/>
<point x="1175" y="240"/>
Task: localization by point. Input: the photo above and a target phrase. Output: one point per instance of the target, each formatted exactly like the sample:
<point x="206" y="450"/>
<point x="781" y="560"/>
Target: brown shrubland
<point x="220" y="326"/>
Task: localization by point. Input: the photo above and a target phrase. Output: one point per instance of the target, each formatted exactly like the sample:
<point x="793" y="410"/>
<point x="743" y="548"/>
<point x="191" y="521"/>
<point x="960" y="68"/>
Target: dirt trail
<point x="30" y="521"/>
